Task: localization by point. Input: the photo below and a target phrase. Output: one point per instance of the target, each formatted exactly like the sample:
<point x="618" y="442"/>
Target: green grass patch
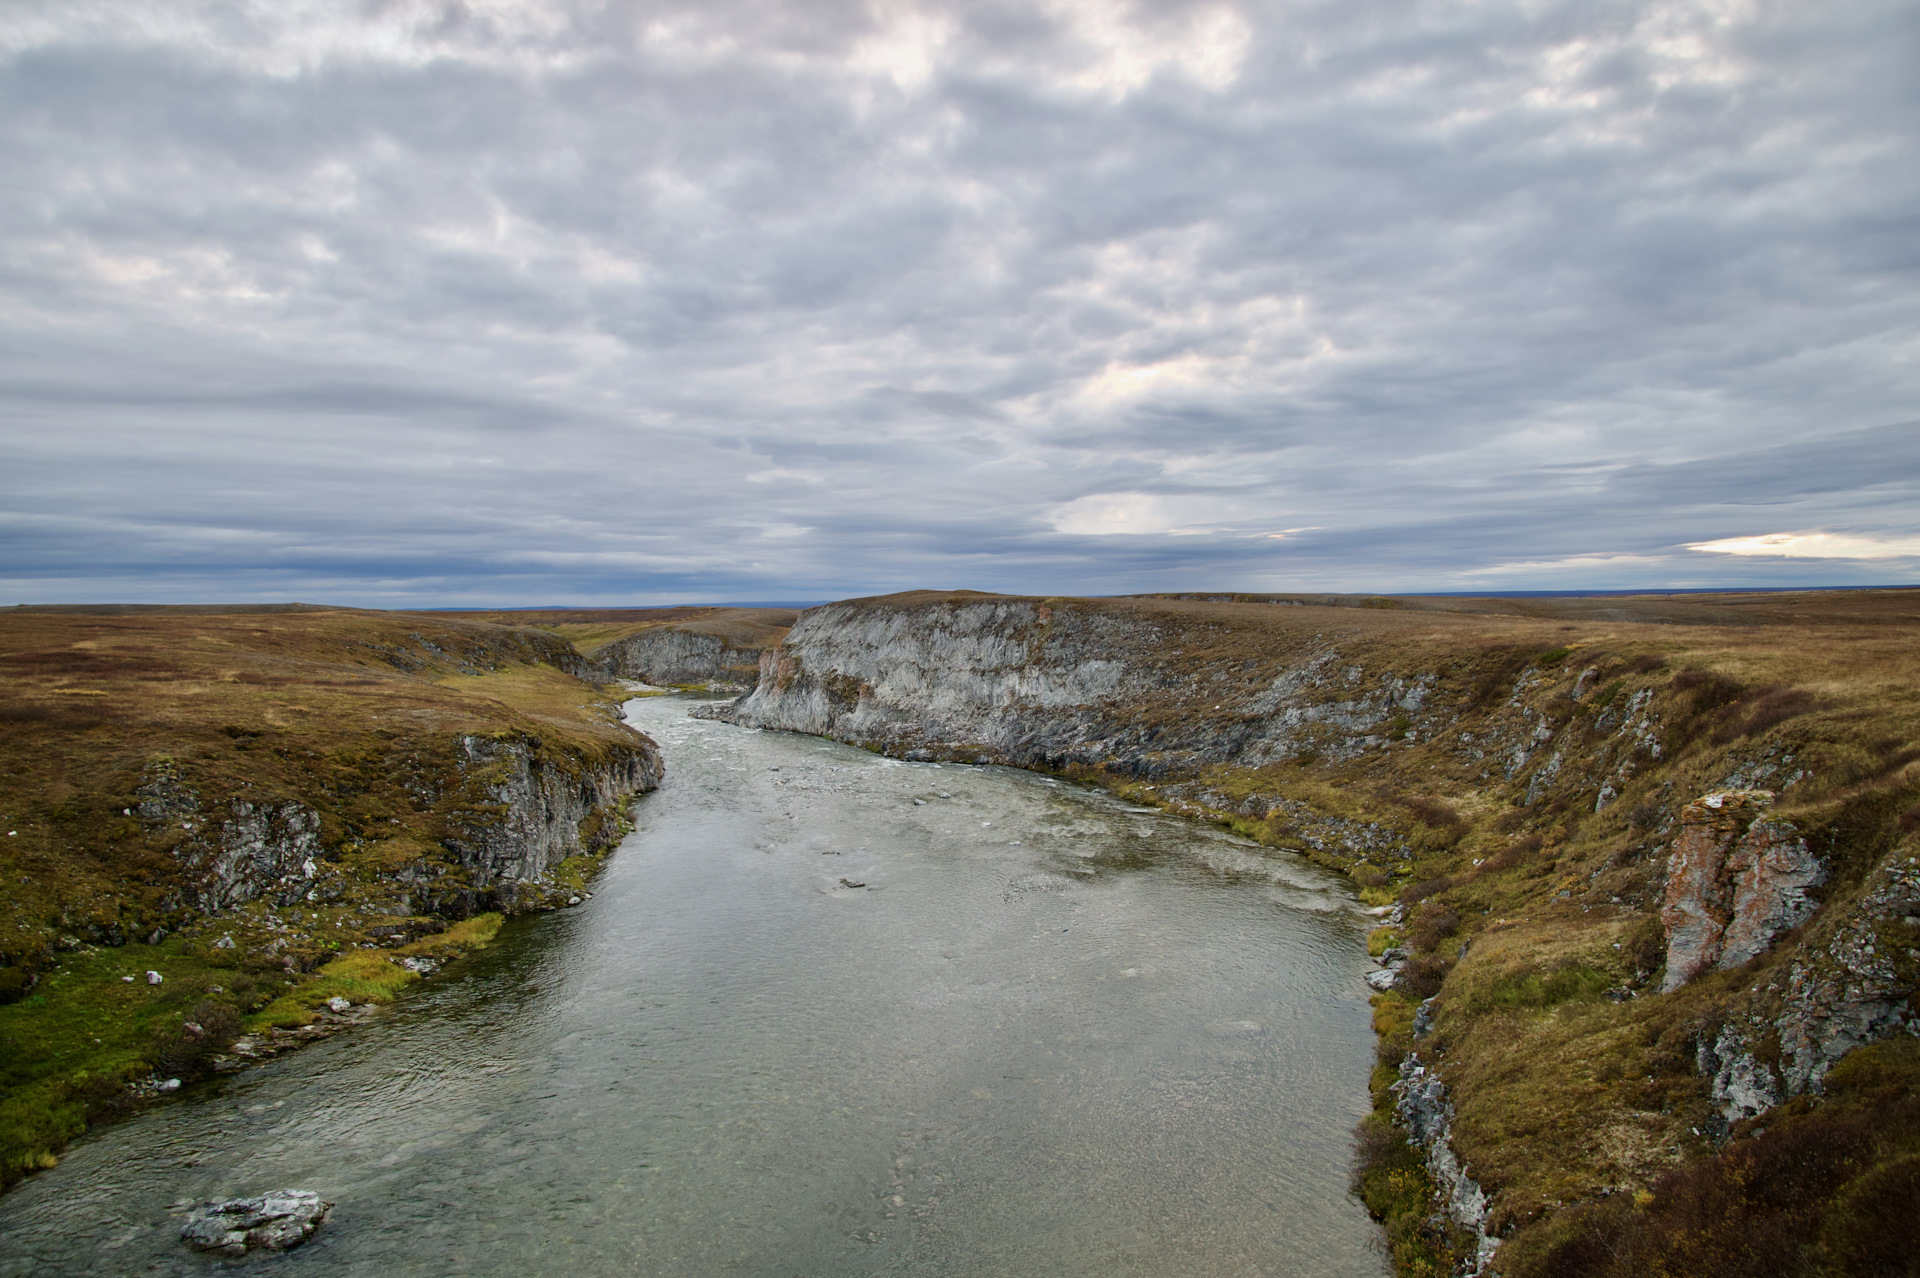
<point x="1563" y="983"/>
<point x="68" y="1049"/>
<point x="371" y="976"/>
<point x="364" y="976"/>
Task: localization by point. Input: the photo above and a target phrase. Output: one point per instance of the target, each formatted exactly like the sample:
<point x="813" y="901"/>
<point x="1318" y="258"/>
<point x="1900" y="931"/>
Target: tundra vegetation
<point x="687" y="648"/>
<point x="268" y="809"/>
<point x="1508" y="780"/>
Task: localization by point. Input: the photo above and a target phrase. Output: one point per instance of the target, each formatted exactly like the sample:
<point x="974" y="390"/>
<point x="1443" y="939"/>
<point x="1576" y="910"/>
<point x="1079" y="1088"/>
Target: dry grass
<point x="590" y="630"/>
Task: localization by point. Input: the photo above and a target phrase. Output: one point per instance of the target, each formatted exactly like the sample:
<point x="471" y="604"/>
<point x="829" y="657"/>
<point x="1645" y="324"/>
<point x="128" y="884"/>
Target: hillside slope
<point x="687" y="647"/>
<point x="266" y="808"/>
<point x="1650" y="888"/>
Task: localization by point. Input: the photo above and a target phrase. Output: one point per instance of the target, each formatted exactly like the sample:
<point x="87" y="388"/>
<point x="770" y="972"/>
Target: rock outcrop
<point x="720" y="652"/>
<point x="536" y="806"/>
<point x="1420" y="1101"/>
<point x="512" y="811"/>
<point x="1737" y="879"/>
<point x="274" y="1221"/>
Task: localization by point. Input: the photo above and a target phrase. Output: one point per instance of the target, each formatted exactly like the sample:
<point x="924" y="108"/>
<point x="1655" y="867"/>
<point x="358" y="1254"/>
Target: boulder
<point x="272" y="1222"/>
<point x="1737" y="878"/>
<point x="1383" y="979"/>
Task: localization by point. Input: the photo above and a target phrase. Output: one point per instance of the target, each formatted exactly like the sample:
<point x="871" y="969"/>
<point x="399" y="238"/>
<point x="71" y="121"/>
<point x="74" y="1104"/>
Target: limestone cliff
<point x="537" y="806"/>
<point x="509" y="809"/>
<point x="719" y="649"/>
<point x="1032" y="682"/>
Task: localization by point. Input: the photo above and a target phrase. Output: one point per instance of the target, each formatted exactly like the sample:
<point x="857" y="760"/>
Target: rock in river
<point x="272" y="1222"/>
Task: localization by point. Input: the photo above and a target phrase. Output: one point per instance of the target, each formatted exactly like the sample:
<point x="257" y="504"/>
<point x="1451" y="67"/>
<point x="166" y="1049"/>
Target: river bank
<point x="1044" y="1034"/>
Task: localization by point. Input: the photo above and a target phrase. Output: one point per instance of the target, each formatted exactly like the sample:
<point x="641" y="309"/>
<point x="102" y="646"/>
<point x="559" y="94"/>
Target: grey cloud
<point x="749" y="299"/>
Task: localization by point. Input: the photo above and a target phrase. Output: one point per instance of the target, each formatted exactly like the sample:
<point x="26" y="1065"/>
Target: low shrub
<point x="1514" y="854"/>
<point x="1421" y="978"/>
<point x="1431" y="924"/>
<point x="187" y="1050"/>
<point x="1414" y="893"/>
<point x="1831" y="1191"/>
<point x="1772" y="706"/>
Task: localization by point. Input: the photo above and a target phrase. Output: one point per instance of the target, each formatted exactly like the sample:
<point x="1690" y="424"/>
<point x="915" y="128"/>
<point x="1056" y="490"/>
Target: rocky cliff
<point x="719" y="649"/>
<point x="539" y="808"/>
<point x="1644" y="884"/>
<point x="507" y="807"/>
<point x="1039" y="683"/>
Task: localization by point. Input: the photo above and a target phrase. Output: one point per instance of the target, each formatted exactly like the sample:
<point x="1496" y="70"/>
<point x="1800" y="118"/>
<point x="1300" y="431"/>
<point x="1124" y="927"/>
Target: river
<point x="825" y="1014"/>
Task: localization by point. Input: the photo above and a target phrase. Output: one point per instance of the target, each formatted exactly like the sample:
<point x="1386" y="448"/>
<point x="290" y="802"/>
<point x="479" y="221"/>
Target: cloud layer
<point x="527" y="302"/>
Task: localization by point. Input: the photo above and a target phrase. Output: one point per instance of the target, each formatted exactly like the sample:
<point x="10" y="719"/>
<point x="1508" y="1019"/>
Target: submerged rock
<point x="272" y="1222"/>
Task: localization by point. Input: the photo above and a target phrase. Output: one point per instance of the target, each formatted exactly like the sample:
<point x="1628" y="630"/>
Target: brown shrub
<point x="188" y="1048"/>
<point x="1432" y="812"/>
<point x="1514" y="854"/>
<point x="1645" y="814"/>
<point x="1766" y="708"/>
<point x="1422" y="976"/>
<point x="1645" y="948"/>
<point x="1432" y="924"/>
<point x="1414" y="893"/>
<point x="1706" y="690"/>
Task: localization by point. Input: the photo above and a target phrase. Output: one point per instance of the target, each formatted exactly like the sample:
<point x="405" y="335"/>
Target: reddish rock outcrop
<point x="1738" y="878"/>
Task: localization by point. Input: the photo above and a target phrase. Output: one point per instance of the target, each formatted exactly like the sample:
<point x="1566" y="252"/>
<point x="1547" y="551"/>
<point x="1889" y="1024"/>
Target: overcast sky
<point x="536" y="302"/>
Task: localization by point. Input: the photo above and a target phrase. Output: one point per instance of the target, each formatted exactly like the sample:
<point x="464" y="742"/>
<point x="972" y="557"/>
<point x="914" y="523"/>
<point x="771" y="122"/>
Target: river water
<point x="1047" y="1034"/>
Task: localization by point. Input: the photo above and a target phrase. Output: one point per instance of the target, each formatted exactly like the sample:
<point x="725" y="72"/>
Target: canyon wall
<point x="719" y="651"/>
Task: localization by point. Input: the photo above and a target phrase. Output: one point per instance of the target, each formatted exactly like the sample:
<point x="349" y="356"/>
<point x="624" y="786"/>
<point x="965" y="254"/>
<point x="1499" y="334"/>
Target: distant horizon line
<point x="1146" y="594"/>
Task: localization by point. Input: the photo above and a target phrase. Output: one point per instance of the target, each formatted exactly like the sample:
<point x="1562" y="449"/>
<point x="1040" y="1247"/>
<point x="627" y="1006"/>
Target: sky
<point x="522" y="302"/>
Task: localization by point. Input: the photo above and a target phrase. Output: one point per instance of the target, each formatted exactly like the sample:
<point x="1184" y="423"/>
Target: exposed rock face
<point x="1739" y="1082"/>
<point x="1858" y="986"/>
<point x="528" y="817"/>
<point x="272" y="1222"/>
<point x="253" y="850"/>
<point x="536" y="807"/>
<point x="1420" y="1101"/>
<point x="721" y="651"/>
<point x="1851" y="984"/>
<point x="1737" y="879"/>
<point x="261" y="847"/>
<point x="1026" y="682"/>
<point x="668" y="656"/>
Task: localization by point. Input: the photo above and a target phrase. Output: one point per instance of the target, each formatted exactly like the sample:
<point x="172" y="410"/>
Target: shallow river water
<point x="1049" y="1035"/>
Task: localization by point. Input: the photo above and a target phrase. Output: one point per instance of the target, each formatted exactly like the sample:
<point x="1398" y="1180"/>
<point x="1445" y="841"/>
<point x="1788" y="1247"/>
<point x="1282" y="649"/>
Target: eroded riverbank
<point x="827" y="1013"/>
